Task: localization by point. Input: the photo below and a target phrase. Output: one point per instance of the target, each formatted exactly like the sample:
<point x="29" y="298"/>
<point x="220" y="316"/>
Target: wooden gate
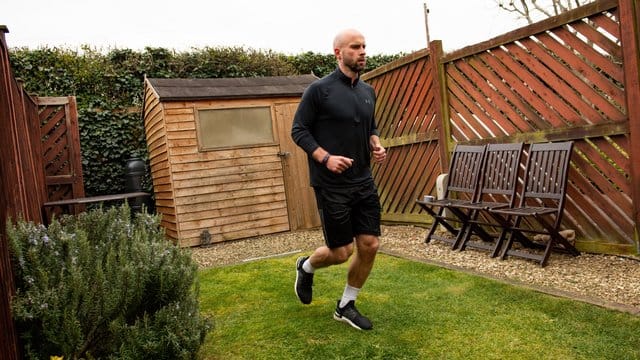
<point x="60" y="149"/>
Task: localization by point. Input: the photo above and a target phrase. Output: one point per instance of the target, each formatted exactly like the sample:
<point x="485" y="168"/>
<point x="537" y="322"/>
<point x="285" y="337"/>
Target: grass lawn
<point x="419" y="311"/>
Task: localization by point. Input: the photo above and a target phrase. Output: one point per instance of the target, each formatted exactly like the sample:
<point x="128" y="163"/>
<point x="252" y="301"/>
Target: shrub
<point x="104" y="284"/>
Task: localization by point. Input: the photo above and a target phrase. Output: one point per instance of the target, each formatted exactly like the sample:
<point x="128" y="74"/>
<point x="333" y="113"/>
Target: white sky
<point x="288" y="26"/>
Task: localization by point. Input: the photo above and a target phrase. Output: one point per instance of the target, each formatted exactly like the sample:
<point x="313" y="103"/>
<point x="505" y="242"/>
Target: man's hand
<point x="379" y="153"/>
<point x="338" y="164"/>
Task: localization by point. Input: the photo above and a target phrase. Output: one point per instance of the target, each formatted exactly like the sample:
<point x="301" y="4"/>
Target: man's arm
<point x="379" y="152"/>
<point x="302" y="136"/>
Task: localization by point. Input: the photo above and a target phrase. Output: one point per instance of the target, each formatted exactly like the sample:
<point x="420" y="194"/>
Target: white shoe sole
<point x="345" y="320"/>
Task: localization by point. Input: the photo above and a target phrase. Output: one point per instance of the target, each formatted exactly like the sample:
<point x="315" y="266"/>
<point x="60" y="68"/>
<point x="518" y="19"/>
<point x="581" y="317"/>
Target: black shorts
<point x="347" y="212"/>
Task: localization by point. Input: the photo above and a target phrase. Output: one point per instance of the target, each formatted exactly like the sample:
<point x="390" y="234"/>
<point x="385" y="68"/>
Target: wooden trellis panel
<point x="556" y="80"/>
<point x="409" y="124"/>
<point x="61" y="148"/>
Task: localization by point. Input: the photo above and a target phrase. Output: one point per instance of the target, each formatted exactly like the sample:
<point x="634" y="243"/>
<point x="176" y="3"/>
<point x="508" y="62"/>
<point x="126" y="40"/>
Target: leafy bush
<point x="104" y="285"/>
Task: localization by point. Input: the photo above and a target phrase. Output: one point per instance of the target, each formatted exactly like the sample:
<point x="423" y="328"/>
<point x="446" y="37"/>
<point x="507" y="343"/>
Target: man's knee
<point x="342" y="254"/>
<point x="368" y="243"/>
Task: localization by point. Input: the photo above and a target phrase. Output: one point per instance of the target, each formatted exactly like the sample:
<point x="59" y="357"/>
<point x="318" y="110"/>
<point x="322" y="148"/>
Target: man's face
<point x="353" y="54"/>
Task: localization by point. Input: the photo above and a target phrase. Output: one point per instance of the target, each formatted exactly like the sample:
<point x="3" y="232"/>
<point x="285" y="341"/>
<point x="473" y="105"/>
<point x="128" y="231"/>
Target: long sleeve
<point x="303" y="123"/>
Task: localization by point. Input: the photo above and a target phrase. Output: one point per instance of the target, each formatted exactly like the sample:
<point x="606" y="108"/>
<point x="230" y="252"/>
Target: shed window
<point x="234" y="127"/>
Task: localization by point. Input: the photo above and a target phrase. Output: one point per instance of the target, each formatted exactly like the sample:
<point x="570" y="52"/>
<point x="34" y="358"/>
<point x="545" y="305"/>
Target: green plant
<point x="103" y="284"/>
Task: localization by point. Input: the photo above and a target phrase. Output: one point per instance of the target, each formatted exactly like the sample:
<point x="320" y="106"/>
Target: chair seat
<point x="456" y="203"/>
<point x="435" y="202"/>
<point x="443" y="202"/>
<point x="526" y="211"/>
<point x="482" y="205"/>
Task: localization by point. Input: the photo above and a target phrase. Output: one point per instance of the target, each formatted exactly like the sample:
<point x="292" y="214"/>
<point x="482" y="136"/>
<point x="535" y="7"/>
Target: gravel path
<point x="604" y="280"/>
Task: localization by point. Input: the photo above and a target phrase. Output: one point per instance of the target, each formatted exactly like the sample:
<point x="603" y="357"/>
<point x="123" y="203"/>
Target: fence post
<point x="629" y="10"/>
<point x="442" y="109"/>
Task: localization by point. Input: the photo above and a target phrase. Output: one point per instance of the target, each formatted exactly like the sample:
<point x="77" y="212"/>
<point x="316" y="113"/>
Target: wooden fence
<point x="571" y="77"/>
<point x="22" y="190"/>
<point x="39" y="162"/>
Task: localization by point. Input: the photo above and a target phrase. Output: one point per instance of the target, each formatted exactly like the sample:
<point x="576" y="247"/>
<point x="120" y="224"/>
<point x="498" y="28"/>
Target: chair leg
<point x="438" y="221"/>
<point x="512" y="235"/>
<point x="507" y="246"/>
<point x="462" y="238"/>
<point x="464" y="230"/>
<point x="547" y="252"/>
<point x="499" y="242"/>
<point x="432" y="230"/>
<point x="461" y="243"/>
<point x="463" y="235"/>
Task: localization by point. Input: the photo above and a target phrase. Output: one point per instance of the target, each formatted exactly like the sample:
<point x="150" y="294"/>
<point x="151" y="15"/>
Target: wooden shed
<point x="222" y="160"/>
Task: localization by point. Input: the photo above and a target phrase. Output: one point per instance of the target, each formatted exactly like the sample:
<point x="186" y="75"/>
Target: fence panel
<point x="21" y="181"/>
<point x="559" y="79"/>
<point x="409" y="127"/>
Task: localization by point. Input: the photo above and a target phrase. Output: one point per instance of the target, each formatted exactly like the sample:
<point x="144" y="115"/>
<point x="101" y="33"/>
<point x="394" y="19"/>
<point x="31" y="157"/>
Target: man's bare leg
<point x="362" y="263"/>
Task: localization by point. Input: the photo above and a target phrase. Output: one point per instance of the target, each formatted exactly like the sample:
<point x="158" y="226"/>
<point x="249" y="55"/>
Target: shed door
<point x="301" y="201"/>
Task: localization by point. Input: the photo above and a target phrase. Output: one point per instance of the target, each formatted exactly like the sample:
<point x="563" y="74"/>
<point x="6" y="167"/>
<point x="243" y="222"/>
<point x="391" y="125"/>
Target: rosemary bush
<point x="104" y="284"/>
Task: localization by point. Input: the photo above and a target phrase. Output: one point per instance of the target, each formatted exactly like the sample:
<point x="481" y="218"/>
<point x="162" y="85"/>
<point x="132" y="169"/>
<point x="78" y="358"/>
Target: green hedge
<point x="108" y="88"/>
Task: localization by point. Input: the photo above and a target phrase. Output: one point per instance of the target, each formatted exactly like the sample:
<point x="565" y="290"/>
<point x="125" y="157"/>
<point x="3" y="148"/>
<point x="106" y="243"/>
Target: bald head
<point x="349" y="49"/>
<point x="344" y="37"/>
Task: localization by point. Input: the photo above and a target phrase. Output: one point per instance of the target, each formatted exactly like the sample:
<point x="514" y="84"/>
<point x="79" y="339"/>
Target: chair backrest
<point x="465" y="171"/>
<point x="545" y="178"/>
<point x="500" y="173"/>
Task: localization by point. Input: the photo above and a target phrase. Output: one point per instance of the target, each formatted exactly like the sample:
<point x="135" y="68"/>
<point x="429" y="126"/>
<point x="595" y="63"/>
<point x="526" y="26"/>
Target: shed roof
<point x="230" y="88"/>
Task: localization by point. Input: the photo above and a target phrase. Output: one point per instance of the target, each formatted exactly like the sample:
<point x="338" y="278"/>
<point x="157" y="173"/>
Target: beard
<point x="356" y="66"/>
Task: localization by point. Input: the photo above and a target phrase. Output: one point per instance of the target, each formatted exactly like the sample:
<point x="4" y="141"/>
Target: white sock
<point x="350" y="293"/>
<point x="306" y="266"/>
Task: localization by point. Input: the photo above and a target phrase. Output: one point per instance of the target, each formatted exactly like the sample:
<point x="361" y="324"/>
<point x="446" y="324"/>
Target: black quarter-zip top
<point x="338" y="115"/>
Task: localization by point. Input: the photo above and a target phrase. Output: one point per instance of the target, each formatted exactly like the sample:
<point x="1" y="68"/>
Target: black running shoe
<point x="351" y="316"/>
<point x="304" y="282"/>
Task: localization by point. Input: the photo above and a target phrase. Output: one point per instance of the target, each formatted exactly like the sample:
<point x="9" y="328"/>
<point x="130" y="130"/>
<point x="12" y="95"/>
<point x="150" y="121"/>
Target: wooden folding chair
<point x="462" y="185"/>
<point x="497" y="189"/>
<point x="541" y="204"/>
